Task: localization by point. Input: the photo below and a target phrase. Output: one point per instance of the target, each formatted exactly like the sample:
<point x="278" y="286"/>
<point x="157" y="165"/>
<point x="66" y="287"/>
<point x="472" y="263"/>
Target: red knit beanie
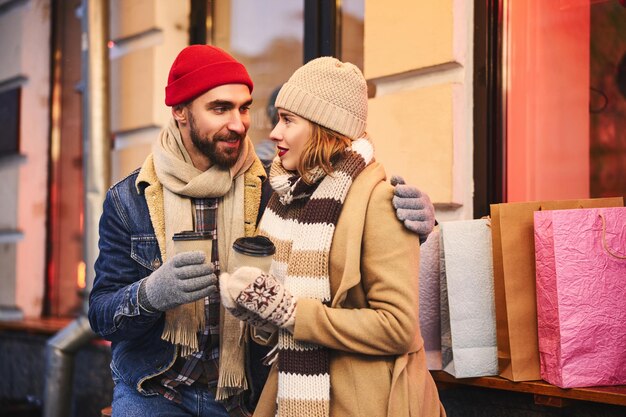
<point x="199" y="68"/>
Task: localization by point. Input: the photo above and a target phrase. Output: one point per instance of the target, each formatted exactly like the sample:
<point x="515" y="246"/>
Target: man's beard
<point x="226" y="158"/>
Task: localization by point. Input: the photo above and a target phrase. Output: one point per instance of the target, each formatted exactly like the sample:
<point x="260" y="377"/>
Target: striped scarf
<point x="300" y="219"/>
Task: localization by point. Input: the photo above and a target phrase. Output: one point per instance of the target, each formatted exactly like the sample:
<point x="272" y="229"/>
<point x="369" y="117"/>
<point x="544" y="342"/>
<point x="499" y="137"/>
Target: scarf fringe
<point x="232" y="380"/>
<point x="230" y="385"/>
<point x="184" y="333"/>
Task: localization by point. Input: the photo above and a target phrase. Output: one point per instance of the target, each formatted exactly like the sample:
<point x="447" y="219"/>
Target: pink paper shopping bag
<point x="581" y="296"/>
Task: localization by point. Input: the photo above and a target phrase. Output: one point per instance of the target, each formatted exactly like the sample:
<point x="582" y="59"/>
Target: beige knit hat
<point x="330" y="93"/>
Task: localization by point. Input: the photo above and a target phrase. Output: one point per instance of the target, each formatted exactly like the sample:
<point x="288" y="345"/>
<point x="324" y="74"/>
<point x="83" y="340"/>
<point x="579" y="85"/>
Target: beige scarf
<point x="181" y="182"/>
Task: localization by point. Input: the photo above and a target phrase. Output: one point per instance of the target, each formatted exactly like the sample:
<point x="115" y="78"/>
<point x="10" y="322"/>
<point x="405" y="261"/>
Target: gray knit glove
<point x="182" y="279"/>
<point x="257" y="298"/>
<point x="413" y="208"/>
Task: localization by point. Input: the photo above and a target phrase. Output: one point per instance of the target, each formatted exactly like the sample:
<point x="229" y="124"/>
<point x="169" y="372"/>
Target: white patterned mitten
<point x="260" y="295"/>
<point x="229" y="289"/>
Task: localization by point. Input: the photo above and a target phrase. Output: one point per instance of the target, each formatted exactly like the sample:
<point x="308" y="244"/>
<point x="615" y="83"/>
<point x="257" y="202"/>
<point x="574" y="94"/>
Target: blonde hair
<point x="320" y="151"/>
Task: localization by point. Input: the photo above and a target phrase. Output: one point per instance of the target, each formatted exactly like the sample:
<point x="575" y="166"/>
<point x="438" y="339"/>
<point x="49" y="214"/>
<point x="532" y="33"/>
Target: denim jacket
<point x="129" y="252"/>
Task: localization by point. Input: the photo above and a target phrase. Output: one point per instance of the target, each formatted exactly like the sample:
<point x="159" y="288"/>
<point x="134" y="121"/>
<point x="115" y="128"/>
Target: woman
<point x="343" y="287"/>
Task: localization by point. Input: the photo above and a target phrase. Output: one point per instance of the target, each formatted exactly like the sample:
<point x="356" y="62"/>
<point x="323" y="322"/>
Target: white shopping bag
<point x="468" y="320"/>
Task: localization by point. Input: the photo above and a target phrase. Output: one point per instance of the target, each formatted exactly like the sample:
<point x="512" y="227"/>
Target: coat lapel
<point x="153" y="192"/>
<point x="345" y="251"/>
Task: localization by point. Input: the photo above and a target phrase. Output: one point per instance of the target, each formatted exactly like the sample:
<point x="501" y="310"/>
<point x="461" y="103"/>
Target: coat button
<point x="156" y="263"/>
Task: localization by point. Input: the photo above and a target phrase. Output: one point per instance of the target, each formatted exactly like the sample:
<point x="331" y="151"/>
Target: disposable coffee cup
<point x="254" y="251"/>
<point x="188" y="241"/>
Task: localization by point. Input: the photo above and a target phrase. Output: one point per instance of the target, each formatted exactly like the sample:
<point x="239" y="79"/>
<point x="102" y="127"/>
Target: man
<point x="174" y="351"/>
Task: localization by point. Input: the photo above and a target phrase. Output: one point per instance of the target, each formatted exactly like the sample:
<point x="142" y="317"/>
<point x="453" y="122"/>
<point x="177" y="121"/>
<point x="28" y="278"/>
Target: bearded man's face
<point x="219" y="121"/>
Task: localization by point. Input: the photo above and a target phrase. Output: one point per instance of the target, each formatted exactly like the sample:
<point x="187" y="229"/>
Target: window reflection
<point x="351" y="31"/>
<point x="607" y="106"/>
<point x="566" y="113"/>
<point x="267" y="37"/>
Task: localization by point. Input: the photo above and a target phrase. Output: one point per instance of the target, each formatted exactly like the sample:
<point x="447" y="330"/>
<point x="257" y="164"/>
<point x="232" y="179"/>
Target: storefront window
<point x="607" y="89"/>
<point x="564" y="72"/>
<point x="267" y="37"/>
<point x="352" y="13"/>
<point x="9" y="118"/>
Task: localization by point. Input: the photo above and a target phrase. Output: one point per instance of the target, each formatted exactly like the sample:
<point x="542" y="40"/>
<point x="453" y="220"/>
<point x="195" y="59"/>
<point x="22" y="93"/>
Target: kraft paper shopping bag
<point x="514" y="282"/>
<point x="469" y="342"/>
<point x="581" y="296"/>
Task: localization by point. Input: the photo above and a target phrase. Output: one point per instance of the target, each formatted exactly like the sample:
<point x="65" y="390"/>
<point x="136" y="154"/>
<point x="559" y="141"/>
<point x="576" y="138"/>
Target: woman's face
<point x="290" y="136"/>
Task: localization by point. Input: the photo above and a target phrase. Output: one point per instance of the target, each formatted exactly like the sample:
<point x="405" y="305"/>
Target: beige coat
<point x="378" y="365"/>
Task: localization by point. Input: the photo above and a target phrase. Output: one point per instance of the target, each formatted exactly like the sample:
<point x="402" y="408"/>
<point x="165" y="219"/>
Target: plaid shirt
<point x="201" y="366"/>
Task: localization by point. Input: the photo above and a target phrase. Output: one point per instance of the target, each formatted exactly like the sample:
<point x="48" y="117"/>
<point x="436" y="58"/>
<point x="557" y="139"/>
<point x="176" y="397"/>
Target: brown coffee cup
<point x="188" y="241"/>
<point x="254" y="251"/>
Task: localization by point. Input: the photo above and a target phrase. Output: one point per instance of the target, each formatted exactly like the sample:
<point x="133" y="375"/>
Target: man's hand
<point x="413" y="208"/>
<point x="182" y="279"/>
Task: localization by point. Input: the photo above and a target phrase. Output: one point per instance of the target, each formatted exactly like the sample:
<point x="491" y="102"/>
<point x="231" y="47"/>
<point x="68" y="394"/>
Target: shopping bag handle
<point x="488" y="218"/>
<point x="606" y="247"/>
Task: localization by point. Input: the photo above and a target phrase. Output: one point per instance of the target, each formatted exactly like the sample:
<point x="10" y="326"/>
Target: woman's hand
<point x="257" y="298"/>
